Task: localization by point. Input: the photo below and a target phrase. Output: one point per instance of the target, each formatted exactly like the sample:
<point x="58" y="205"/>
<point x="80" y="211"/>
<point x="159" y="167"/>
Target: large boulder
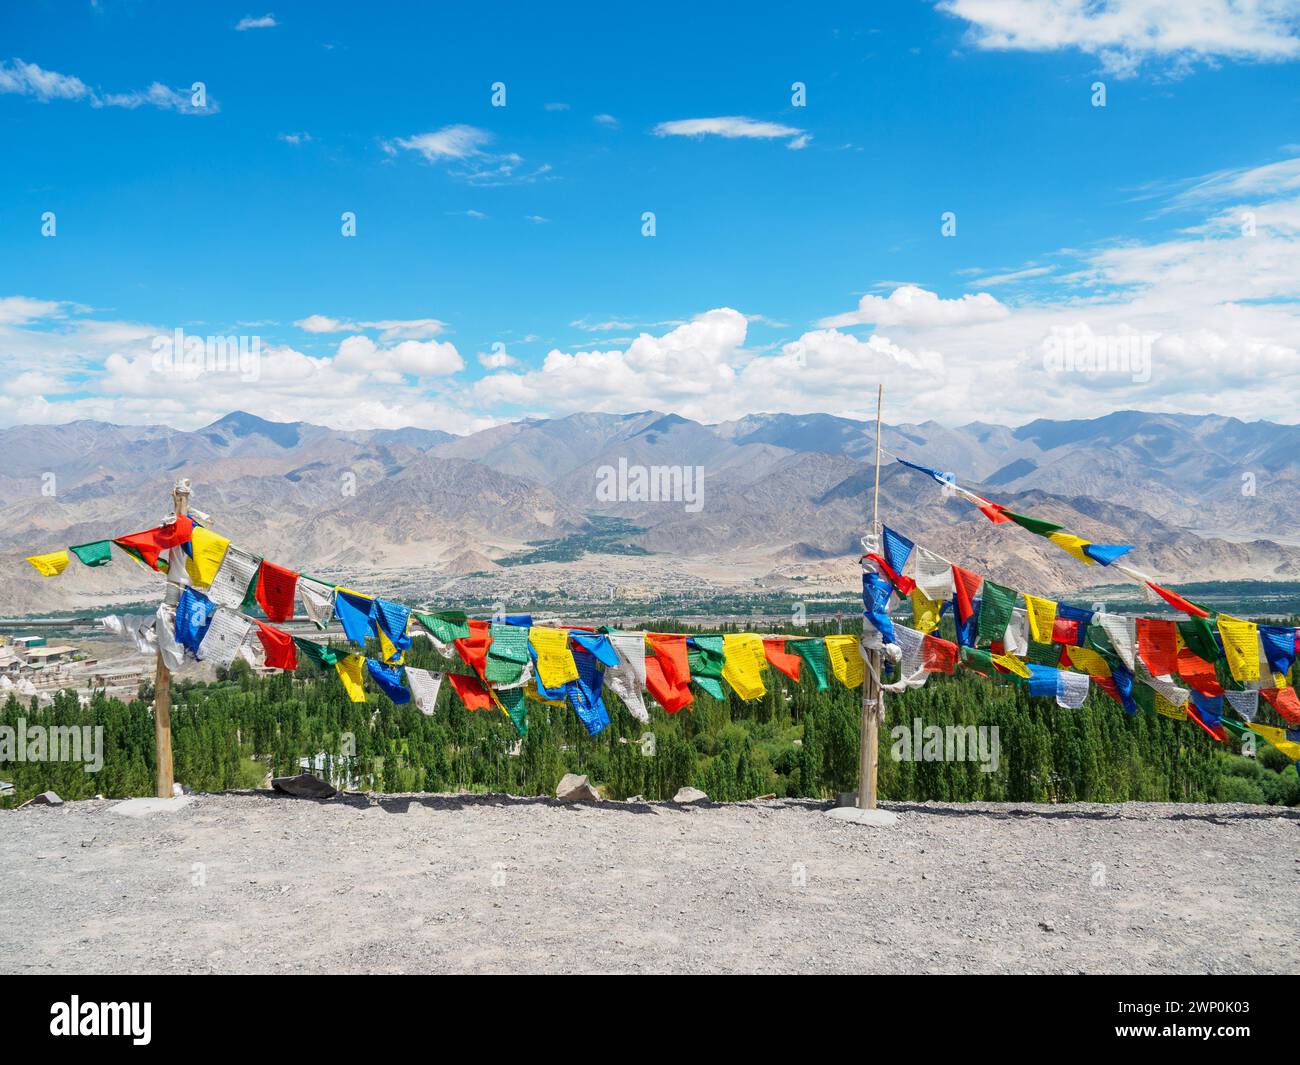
<point x="304" y="786"/>
<point x="575" y="788"/>
<point x="688" y="795"/>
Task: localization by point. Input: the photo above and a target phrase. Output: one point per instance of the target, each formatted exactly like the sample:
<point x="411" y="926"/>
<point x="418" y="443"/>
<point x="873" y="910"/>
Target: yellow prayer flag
<point x="1168" y="709"/>
<point x="1042" y="616"/>
<point x="387" y="648"/>
<point x="208" y="550"/>
<point x="1012" y="664"/>
<point x="1277" y="737"/>
<point x="1088" y="661"/>
<point x="50" y="565"/>
<point x="845" y="659"/>
<point x="743" y="664"/>
<point x="555" y="664"/>
<point x="1072" y="544"/>
<point x="1240" y="647"/>
<point x="925" y="611"/>
<point x="349" y="671"/>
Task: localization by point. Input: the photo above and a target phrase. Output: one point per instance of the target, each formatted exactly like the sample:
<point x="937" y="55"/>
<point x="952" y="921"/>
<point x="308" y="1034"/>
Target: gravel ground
<point x="254" y="882"/>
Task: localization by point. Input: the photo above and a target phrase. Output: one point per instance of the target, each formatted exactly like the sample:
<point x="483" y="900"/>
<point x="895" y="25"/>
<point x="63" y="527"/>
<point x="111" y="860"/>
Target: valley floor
<point x="254" y="882"/>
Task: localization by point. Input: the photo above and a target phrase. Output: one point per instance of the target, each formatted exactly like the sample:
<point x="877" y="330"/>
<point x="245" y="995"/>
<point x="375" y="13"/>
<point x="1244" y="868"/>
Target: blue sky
<point x="521" y="225"/>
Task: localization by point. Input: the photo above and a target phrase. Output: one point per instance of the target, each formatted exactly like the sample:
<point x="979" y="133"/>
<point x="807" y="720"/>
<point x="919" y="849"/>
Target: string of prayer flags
<point x="237" y="572"/>
<point x="317" y="601"/>
<point x="194" y="613"/>
<point x="389" y="679"/>
<point x="275" y="591"/>
<point x="424" y="687"/>
<point x="996" y="605"/>
<point x="96" y="553"/>
<point x="555" y="664"/>
<point x="781" y="659"/>
<point x="745" y="662"/>
<point x="1285" y="702"/>
<point x="1240" y="647"/>
<point x="1042" y="618"/>
<point x="51" y="564"/>
<point x="627" y="679"/>
<point x="845" y="659"/>
<point x="667" y="671"/>
<point x="1157" y="641"/>
<point x="933" y="575"/>
<point x="207" y="549"/>
<point x="226" y="633"/>
<point x="471" y="691"/>
<point x="348" y="668"/>
<point x="278" y="646"/>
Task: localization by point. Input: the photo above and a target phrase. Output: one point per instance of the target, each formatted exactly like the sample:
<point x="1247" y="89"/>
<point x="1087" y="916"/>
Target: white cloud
<point x="465" y="147"/>
<point x="732" y="126"/>
<point x="249" y="22"/>
<point x="536" y="219"/>
<point x="450" y="142"/>
<point x="295" y="138"/>
<point x="389" y="328"/>
<point x="430" y="358"/>
<point x="608" y="121"/>
<point x="496" y="360"/>
<point x="28" y="79"/>
<point x="913" y="306"/>
<point x="1123" y="34"/>
<point x="19" y="310"/>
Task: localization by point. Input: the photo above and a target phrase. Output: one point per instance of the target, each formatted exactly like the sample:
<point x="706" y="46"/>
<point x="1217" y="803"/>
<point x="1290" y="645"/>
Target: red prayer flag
<point x="473" y="649"/>
<point x="471" y="691"/>
<point x="1199" y="674"/>
<point x="1177" y="601"/>
<point x="153" y="542"/>
<point x="1158" y="645"/>
<point x="278" y="645"/>
<point x="275" y="588"/>
<point x="1217" y="731"/>
<point x="966" y="585"/>
<point x="1285" y="702"/>
<point x="992" y="511"/>
<point x="774" y="651"/>
<point x="668" y="672"/>
<point x="1065" y="631"/>
<point x="940" y="656"/>
<point x="905" y="585"/>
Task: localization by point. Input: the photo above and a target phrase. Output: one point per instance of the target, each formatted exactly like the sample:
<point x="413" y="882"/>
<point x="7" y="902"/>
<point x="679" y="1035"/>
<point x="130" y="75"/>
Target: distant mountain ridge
<point x="780" y="490"/>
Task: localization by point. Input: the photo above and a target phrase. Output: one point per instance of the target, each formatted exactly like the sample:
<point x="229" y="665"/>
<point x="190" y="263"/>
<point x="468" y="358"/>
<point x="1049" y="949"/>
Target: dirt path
<point x="260" y="883"/>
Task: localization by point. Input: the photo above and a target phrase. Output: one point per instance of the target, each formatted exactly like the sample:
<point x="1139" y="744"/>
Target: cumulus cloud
<point x="913" y="306"/>
<point x="465" y="148"/>
<point x="388" y="328"/>
<point x="249" y="22"/>
<point x="1123" y="34"/>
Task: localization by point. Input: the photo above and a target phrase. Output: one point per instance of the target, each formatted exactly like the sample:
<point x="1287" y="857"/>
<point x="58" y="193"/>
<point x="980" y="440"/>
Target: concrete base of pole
<point x="878" y="818"/>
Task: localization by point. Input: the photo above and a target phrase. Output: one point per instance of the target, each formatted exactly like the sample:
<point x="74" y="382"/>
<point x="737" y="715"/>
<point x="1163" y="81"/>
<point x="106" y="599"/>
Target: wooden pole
<point x="162" y="678"/>
<point x="873" y="699"/>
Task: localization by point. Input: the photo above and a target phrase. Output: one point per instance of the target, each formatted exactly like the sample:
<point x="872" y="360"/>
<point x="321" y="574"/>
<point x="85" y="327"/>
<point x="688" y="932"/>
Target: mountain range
<point x="785" y="499"/>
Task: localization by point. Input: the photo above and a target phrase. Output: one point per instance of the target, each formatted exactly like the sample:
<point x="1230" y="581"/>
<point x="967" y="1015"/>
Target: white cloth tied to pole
<point x="173" y="654"/>
<point x="233" y="577"/>
<point x="424" y="687"/>
<point x="138" y="628"/>
<point x="226" y="633"/>
<point x="627" y="679"/>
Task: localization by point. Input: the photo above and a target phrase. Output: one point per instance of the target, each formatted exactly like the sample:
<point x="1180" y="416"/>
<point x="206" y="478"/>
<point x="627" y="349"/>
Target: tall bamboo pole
<point x="873" y="699"/>
<point x="162" y="678"/>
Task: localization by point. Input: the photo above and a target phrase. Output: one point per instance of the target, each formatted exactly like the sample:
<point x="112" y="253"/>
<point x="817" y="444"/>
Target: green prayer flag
<point x="93" y="554"/>
<point x="322" y="654"/>
<point x="996" y="606"/>
<point x="507" y="653"/>
<point x="443" y="628"/>
<point x="706" y="660"/>
<point x="978" y="659"/>
<point x="1145" y="696"/>
<point x="1198" y="635"/>
<point x="1034" y="525"/>
<point x="1237" y="728"/>
<point x="813" y="652"/>
<point x="1044" y="654"/>
<point x="515" y="705"/>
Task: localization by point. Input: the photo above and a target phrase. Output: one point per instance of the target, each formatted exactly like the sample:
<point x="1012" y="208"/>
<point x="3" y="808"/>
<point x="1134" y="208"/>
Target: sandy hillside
<point x="262" y="883"/>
